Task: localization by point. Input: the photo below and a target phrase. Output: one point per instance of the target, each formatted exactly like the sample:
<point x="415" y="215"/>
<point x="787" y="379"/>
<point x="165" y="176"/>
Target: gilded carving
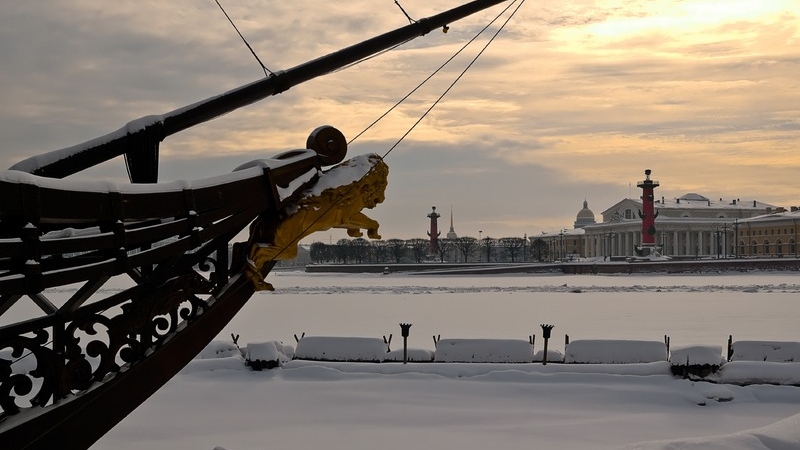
<point x="338" y="206"/>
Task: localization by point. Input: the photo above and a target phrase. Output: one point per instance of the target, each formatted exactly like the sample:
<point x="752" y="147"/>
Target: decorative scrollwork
<point x="13" y="384"/>
<point x="64" y="366"/>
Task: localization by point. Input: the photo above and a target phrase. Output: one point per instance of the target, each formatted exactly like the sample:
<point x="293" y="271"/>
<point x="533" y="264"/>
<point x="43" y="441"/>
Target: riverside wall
<point x="571" y="267"/>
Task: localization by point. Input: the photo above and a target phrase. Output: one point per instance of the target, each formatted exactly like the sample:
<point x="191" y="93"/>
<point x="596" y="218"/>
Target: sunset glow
<point x="572" y="101"/>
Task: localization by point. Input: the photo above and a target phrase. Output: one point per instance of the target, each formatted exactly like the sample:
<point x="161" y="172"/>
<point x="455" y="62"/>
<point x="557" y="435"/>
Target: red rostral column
<point x="648" y="213"/>
<point x="434" y="233"/>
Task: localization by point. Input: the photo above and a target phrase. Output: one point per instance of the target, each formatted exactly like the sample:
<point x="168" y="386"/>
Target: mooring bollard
<point x="404" y="328"/>
<point x="546" y="329"/>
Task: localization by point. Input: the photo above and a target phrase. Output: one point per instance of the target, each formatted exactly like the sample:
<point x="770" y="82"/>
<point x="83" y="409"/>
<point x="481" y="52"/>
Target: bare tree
<point x="343" y="250"/>
<point x="466" y="246"/>
<point x="360" y="249"/>
<point x="379" y="250"/>
<point x="320" y="252"/>
<point x="539" y="250"/>
<point x="397" y="248"/>
<point x="419" y="248"/>
<point x="445" y="247"/>
<point x="512" y="246"/>
<point x="488" y="244"/>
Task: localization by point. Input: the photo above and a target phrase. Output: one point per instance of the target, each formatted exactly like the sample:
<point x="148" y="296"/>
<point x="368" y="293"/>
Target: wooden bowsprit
<point x="96" y="359"/>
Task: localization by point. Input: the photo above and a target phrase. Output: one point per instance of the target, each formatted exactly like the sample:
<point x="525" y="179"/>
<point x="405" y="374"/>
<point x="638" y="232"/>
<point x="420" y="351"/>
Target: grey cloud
<point x="508" y="138"/>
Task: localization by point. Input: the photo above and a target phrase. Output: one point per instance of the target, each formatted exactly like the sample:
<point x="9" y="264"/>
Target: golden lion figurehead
<point x="334" y="201"/>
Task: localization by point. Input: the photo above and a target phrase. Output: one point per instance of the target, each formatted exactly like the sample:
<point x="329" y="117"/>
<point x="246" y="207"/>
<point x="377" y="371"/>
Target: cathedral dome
<point x="585" y="216"/>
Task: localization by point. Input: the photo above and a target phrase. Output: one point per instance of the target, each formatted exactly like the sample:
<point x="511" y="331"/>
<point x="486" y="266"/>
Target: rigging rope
<point x="467" y="44"/>
<point x="267" y="72"/>
<point x="410" y="20"/>
<point x="336" y="201"/>
<point x="456" y="80"/>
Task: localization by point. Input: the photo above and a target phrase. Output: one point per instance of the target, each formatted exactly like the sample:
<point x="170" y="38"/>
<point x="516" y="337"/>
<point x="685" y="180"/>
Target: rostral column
<point x="434" y="233"/>
<point x="648" y="213"/>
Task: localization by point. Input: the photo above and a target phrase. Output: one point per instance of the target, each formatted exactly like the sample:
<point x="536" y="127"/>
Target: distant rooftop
<point x="694" y="200"/>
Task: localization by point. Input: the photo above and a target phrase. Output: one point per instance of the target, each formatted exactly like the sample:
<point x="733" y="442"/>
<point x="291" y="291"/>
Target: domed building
<point x="566" y="244"/>
<point x="584" y="217"/>
<point x="691" y="226"/>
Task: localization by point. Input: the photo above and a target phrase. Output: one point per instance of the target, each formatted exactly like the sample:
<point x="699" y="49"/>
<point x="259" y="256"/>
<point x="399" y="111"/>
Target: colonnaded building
<point x="691" y="226"/>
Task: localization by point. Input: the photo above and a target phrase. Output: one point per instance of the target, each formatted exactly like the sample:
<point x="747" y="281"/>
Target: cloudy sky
<point x="571" y="102"/>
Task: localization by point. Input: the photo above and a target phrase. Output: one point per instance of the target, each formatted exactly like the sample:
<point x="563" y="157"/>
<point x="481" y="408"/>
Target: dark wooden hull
<point x="81" y="421"/>
<point x="97" y="358"/>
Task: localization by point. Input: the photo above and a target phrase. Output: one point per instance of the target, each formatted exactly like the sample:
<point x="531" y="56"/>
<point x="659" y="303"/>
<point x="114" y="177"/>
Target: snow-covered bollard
<point x="698" y="360"/>
<point x="264" y="355"/>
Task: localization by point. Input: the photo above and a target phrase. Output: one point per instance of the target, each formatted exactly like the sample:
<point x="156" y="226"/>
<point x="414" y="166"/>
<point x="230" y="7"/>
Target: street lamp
<point x="546" y="330"/>
<point x="718" y="235"/>
<point x="404" y="329"/>
<point x="725" y="240"/>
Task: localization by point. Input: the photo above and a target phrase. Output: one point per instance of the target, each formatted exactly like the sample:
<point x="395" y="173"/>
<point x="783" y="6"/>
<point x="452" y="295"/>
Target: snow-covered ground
<point x="219" y="402"/>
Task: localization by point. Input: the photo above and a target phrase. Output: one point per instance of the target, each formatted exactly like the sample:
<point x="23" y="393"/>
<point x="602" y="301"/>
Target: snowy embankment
<point x="220" y="401"/>
<point x="484" y="356"/>
<point x="641" y="384"/>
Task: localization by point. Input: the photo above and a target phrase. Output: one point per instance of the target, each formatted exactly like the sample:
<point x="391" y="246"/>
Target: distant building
<point x="584" y="217"/>
<point x="690" y="226"/>
<point x="568" y="244"/>
<point x="452" y="233"/>
<point x="303" y="258"/>
<point x="773" y="234"/>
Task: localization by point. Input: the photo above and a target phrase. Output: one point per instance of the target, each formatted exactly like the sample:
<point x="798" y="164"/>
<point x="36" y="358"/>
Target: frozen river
<point x="691" y="309"/>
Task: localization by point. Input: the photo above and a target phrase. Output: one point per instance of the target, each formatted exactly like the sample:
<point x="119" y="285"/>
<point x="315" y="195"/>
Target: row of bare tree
<point x="462" y="249"/>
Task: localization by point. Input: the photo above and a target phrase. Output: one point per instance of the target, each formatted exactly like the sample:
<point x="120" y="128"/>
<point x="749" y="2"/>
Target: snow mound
<point x="552" y="356"/>
<point x="771" y="351"/>
<point x="610" y="351"/>
<point x="413" y="355"/>
<point x="265" y="355"/>
<point x="335" y="348"/>
<point x="758" y="372"/>
<point x="218" y="349"/>
<point x="484" y="350"/>
<point x="229" y="363"/>
<point x="697" y="355"/>
<point x="781" y="435"/>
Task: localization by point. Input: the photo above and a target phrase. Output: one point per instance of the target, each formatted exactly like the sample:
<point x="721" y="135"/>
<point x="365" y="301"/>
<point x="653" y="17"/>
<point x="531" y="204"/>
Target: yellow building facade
<point x="688" y="227"/>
